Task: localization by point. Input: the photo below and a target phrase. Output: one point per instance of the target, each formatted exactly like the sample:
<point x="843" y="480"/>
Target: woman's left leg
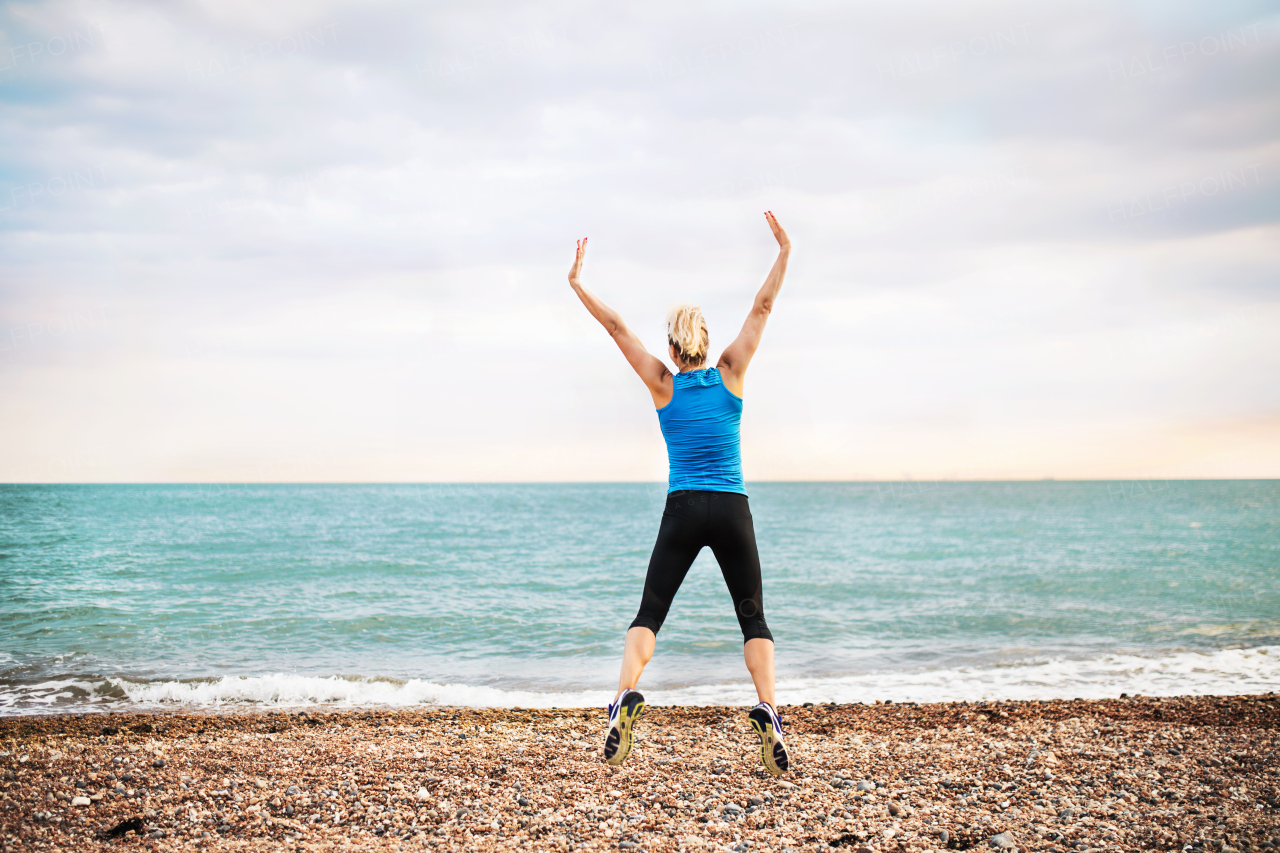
<point x="636" y="652"/>
<point x="674" y="552"/>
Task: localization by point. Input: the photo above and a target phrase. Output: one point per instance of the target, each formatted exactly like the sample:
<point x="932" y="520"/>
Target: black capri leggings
<point x="692" y="520"/>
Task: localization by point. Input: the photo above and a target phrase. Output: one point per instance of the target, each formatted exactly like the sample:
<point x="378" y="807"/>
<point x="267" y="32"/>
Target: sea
<point x="227" y="597"/>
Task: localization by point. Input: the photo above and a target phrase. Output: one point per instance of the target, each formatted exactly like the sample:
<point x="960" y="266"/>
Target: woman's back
<point x="701" y="427"/>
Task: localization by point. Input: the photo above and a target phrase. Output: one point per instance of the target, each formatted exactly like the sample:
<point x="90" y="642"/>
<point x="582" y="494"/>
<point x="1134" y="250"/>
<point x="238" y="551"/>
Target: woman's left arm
<point x="651" y="371"/>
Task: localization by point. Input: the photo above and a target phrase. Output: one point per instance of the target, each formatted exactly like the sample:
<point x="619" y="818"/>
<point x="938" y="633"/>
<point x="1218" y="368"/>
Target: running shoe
<point x="766" y="723"/>
<point x="623" y="714"/>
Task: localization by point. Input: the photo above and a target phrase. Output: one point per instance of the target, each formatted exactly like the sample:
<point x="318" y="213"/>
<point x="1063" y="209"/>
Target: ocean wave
<point x="1228" y="671"/>
<point x="72" y="694"/>
<point x="1224" y="672"/>
<point x="339" y="691"/>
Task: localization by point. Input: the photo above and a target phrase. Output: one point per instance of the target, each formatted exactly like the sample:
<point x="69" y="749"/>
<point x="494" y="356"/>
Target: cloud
<point x="329" y="240"/>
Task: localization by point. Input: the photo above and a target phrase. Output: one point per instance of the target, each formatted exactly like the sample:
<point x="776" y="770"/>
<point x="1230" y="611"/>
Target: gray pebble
<point x="159" y="762"/>
<point x="864" y="785"/>
<point x="1001" y="840"/>
<point x="944" y="836"/>
<point x="293" y="791"/>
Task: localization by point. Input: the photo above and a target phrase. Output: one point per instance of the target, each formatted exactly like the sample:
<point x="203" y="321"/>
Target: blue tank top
<point x="700" y="425"/>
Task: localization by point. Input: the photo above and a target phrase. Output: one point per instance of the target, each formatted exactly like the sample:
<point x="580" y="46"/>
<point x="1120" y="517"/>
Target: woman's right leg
<point x="733" y="541"/>
<point x="758" y="653"/>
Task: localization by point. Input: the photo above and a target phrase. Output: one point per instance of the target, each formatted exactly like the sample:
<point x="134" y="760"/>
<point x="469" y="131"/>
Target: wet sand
<point x="1133" y="773"/>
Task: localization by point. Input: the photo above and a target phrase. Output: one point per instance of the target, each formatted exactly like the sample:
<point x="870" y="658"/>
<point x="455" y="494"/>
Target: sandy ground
<point x="1164" y="774"/>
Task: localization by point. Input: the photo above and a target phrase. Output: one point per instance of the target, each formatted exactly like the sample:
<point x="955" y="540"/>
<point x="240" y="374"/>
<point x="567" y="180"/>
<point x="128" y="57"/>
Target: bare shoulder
<point x="732" y="379"/>
<point x="665" y="377"/>
<point x="663" y="389"/>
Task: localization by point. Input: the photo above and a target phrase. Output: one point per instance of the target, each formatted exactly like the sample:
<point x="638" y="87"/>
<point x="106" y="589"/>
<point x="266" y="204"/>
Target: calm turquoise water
<point x="520" y="594"/>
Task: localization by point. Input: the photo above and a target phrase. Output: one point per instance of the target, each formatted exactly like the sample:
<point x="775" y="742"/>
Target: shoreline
<point x="1151" y="672"/>
<point x="1133" y="773"/>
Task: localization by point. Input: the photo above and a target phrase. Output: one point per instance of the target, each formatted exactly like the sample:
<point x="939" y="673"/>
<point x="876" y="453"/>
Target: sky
<point x="328" y="241"/>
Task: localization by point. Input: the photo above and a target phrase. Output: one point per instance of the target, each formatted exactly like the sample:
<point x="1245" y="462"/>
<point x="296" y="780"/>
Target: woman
<point x="699" y="410"/>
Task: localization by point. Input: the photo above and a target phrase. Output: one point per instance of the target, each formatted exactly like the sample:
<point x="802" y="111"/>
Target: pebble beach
<point x="1194" y="774"/>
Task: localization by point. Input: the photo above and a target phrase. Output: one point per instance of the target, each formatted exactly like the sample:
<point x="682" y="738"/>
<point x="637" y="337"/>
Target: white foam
<point x="301" y="690"/>
<point x="1226" y="672"/>
<point x="1230" y="671"/>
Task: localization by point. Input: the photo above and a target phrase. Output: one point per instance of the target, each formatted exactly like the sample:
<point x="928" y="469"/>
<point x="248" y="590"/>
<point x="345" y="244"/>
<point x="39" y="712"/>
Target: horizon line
<point x="618" y="482"/>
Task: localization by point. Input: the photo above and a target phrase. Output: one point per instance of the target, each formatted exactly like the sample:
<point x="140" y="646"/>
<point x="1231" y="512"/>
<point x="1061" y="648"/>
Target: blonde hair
<point x="687" y="332"/>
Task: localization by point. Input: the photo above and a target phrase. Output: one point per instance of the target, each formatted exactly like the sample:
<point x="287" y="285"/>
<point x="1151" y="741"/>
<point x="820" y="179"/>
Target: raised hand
<point x="784" y="242"/>
<point x="577" y="262"/>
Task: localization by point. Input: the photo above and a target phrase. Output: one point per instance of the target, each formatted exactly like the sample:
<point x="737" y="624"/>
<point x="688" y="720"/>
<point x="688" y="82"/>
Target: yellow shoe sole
<point x="773" y="753"/>
<point x="627" y="716"/>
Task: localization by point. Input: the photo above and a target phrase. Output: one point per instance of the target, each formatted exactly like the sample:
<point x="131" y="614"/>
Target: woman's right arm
<point x="654" y="373"/>
<point x="737" y="355"/>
